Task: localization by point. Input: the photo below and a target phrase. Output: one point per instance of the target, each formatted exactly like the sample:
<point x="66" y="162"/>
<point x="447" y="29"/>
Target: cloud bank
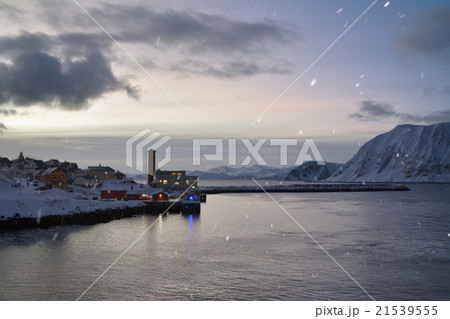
<point x="370" y="110"/>
<point x="200" y="33"/>
<point x="195" y="43"/>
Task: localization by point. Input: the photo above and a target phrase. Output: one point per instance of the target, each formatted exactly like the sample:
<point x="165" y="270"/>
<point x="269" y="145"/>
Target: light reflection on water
<point x="243" y="247"/>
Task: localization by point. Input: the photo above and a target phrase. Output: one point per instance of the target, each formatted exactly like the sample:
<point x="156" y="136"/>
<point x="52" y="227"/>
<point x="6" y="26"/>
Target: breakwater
<point x="310" y="187"/>
<point x="86" y="218"/>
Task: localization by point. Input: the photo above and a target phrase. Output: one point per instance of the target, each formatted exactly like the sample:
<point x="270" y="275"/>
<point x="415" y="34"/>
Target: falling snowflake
<point x="386" y="4"/>
<point x="54" y="236"/>
<point x="339" y="11"/>
<point x="334" y="130"/>
<point x="313" y="82"/>
<point x="361" y="76"/>
<point x="157" y="41"/>
<point x="228" y="238"/>
<point x="271" y="225"/>
<point x="300" y="132"/>
<point x="39" y="214"/>
<point x="356" y="85"/>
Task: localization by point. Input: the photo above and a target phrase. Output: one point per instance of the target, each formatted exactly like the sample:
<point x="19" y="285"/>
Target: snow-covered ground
<point x="29" y="202"/>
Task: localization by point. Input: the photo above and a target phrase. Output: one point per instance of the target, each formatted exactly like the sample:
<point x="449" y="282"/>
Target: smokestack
<point x="151" y="165"/>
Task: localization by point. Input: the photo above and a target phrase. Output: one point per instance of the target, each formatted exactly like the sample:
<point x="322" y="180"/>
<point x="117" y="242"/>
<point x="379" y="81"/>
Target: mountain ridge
<point x="407" y="153"/>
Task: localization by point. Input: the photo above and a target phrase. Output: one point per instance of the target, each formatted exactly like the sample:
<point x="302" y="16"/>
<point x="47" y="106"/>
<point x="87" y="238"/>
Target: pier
<point x="303" y="188"/>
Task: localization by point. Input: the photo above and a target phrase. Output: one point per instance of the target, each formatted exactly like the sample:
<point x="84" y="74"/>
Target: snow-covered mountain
<point x="211" y="175"/>
<point x="312" y="171"/>
<point x="408" y="153"/>
<point x="245" y="172"/>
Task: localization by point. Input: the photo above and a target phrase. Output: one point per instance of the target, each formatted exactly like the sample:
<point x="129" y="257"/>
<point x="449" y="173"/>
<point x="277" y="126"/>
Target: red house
<point x="117" y="195"/>
<point x="160" y="197"/>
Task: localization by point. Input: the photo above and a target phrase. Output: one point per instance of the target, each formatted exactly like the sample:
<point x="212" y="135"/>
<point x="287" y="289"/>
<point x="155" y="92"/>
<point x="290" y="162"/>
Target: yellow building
<point x="55" y="177"/>
<point x="174" y="180"/>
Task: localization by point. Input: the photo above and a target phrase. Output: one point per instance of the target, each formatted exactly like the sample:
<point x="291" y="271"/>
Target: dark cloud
<point x="132" y="91"/>
<point x="26" y="42"/>
<point x="65" y="45"/>
<point x="370" y="110"/>
<point x="2" y="127"/>
<point x="34" y="78"/>
<point x="229" y="69"/>
<point x="429" y="35"/>
<point x="198" y="32"/>
<point x="67" y="70"/>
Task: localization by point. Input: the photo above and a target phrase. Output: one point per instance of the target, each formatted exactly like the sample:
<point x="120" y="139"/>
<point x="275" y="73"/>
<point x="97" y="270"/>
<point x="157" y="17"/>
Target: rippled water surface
<point x="396" y="245"/>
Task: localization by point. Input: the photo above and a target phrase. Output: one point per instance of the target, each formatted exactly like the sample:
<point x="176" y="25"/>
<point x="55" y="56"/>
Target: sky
<point x="80" y="78"/>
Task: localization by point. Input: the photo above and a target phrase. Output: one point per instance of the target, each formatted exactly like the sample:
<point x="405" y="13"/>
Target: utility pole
<point x="20" y="180"/>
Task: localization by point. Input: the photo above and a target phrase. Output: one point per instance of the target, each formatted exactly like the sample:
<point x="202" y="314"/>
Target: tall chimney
<point x="151" y="165"/>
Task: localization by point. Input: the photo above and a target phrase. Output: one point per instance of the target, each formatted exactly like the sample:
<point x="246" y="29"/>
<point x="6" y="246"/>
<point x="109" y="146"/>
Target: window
<point x="177" y="183"/>
<point x="62" y="176"/>
<point x="188" y="182"/>
<point x="165" y="182"/>
<point x="179" y="174"/>
<point x="173" y="173"/>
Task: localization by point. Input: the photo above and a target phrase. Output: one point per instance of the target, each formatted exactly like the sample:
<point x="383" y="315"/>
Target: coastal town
<point x="32" y="188"/>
